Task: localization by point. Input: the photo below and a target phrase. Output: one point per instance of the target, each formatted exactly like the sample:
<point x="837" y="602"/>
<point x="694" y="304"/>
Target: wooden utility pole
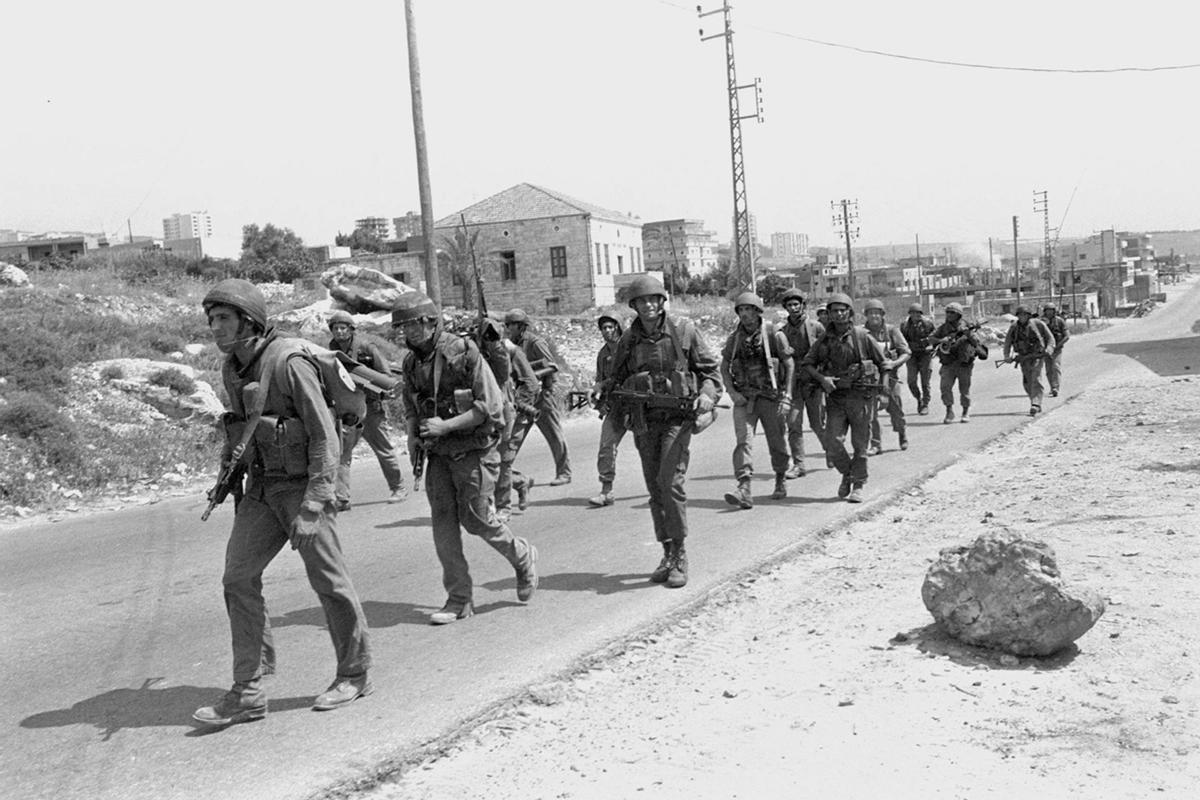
<point x="433" y="286"/>
<point x="1016" y="260"/>
<point x="920" y="296"/>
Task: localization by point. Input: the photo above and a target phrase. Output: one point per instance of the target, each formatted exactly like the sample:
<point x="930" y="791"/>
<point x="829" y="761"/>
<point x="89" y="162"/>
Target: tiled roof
<point x="526" y="201"/>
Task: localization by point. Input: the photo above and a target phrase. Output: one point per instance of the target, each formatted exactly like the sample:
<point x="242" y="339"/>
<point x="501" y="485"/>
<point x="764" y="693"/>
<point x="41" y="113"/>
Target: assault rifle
<point x="417" y="456"/>
<point x="639" y="402"/>
<point x="947" y="345"/>
<point x="229" y="481"/>
<point x="1017" y="360"/>
<point x="578" y="399"/>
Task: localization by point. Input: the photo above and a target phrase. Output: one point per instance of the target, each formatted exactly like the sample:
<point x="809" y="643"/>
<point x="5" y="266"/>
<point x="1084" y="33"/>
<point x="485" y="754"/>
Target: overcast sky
<point x="297" y="113"/>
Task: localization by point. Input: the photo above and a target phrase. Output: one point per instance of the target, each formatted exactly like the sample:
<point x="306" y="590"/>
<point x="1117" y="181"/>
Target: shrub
<point x="27" y="414"/>
<point x="174" y="379"/>
<point x="166" y="342"/>
<point x="112" y="372"/>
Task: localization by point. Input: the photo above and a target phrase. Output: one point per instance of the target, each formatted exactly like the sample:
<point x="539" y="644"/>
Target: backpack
<point x="344" y="381"/>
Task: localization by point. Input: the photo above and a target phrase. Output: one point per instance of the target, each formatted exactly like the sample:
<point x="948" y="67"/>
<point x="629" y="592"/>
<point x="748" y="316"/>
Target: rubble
<point x="202" y="405"/>
<point x="1005" y="592"/>
<point x="12" y="276"/>
<point x="361" y="290"/>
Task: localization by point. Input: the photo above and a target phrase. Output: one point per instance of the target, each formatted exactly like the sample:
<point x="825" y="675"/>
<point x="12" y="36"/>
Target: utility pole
<point x="433" y="286"/>
<point x="1042" y="204"/>
<point x="1074" y="258"/>
<point x="991" y="263"/>
<point x="847" y="214"/>
<point x="1016" y="260"/>
<point x="743" y="247"/>
<point x="920" y="295"/>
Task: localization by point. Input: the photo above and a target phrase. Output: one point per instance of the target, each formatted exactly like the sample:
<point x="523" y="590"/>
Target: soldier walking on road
<point x="847" y="364"/>
<point x="549" y="419"/>
<point x="612" y="426"/>
<point x="374" y="427"/>
<point x="520" y="388"/>
<point x="958" y="347"/>
<point x="455" y="415"/>
<point x="1034" y="344"/>
<point x="895" y="351"/>
<point x="917" y="329"/>
<point x="667" y="380"/>
<point x="1058" y="329"/>
<point x="287" y="436"/>
<point x="807" y="395"/>
<point x="757" y="367"/>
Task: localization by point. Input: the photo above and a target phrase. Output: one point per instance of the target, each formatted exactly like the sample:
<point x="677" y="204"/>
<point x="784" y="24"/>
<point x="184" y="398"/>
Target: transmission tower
<point x="1041" y="204"/>
<point x="845" y="219"/>
<point x="743" y="247"/>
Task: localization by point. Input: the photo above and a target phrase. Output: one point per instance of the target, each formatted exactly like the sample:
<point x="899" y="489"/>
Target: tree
<point x="771" y="287"/>
<point x="276" y="252"/>
<point x="360" y="239"/>
<point x="455" y="254"/>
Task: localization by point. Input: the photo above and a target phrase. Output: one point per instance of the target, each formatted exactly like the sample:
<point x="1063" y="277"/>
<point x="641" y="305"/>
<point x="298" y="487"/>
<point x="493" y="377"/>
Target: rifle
<point x="946" y="346"/>
<point x="578" y="399"/>
<point x="417" y="457"/>
<point x="1017" y="360"/>
<point x="229" y="481"/>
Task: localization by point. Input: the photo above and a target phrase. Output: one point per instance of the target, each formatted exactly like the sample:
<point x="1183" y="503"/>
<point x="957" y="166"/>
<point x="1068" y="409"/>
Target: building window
<point x="508" y="265"/>
<point x="552" y="305"/>
<point x="620" y="264"/>
<point x="607" y="267"/>
<point x="597" y="258"/>
<point x="558" y="262"/>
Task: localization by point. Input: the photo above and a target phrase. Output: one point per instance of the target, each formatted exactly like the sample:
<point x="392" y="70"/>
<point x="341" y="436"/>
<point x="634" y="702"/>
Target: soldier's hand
<point x="704" y="404"/>
<point x="305" y="528"/>
<point x="434" y="427"/>
<point x="828" y="384"/>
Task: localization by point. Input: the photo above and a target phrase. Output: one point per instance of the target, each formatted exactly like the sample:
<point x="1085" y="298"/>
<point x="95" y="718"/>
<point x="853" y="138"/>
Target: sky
<point x="298" y="113"/>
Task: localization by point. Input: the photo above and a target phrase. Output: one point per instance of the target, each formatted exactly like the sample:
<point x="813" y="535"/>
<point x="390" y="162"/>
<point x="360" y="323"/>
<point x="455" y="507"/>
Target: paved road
<point x="114" y="628"/>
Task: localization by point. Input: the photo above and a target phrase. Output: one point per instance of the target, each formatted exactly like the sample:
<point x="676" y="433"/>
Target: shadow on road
<point x="595" y="582"/>
<point x="379" y="615"/>
<point x="144" y="707"/>
<point x="1167" y="357"/>
<point x="411" y="522"/>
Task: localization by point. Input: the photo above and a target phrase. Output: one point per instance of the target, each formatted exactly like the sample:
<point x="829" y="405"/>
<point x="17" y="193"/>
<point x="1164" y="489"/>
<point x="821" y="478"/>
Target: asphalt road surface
<point x="114" y="628"/>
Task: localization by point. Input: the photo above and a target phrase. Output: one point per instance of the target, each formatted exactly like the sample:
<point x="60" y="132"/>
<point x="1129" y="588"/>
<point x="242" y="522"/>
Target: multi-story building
<point x="379" y="227"/>
<point x="193" y="225"/>
<point x="407" y="226"/>
<point x="785" y="245"/>
<point x="1104" y="263"/>
<point x="544" y="251"/>
<point x="679" y="247"/>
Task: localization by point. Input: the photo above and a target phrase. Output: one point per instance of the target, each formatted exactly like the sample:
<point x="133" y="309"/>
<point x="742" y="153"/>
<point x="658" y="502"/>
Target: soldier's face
<point x="874" y="317"/>
<point x="749" y="315"/>
<point x="609" y="331"/>
<point x="417" y="331"/>
<point x="513" y="331"/>
<point x="794" y="308"/>
<point x="341" y="331"/>
<point x="839" y="314"/>
<point x="915" y="316"/>
<point x="227" y="327"/>
<point x="648" y="307"/>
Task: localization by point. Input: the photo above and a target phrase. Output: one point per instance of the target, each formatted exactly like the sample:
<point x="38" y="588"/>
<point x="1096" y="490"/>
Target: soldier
<point x="670" y="377"/>
<point x="757" y="366"/>
<point x="612" y="427"/>
<point x="521" y="389"/>
<point x="807" y="396"/>
<point x="455" y="415"/>
<point x="896" y="352"/>
<point x="839" y="361"/>
<point x="549" y="419"/>
<point x="916" y="330"/>
<point x="957" y="347"/>
<point x="822" y="312"/>
<point x="374" y="427"/>
<point x="1058" y="328"/>
<point x="289" y="440"/>
<point x="1034" y="344"/>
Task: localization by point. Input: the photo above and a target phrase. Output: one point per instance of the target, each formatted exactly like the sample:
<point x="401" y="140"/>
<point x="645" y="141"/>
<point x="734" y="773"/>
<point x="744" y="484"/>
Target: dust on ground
<point x="823" y="676"/>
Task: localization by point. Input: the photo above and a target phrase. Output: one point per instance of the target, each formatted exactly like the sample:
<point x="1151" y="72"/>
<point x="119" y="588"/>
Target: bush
<point x="174" y="379"/>
<point x="166" y="342"/>
<point x="112" y="372"/>
<point x="27" y="415"/>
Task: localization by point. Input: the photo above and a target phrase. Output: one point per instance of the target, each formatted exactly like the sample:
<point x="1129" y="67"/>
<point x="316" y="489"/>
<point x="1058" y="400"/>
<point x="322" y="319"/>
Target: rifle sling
<point x="260" y="402"/>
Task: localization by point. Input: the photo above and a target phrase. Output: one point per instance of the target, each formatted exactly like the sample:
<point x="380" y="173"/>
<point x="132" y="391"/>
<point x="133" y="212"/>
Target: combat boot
<point x="527" y="578"/>
<point x="780" y="486"/>
<point x="797" y="470"/>
<point x="903" y="440"/>
<point x="844" y="488"/>
<point x="740" y="496"/>
<point x="523" y="494"/>
<point x="966" y="416"/>
<point x="677" y="577"/>
<point x="605" y="498"/>
<point x="239" y="704"/>
<point x="949" y="415"/>
<point x="663" y="570"/>
<point x="856" y="495"/>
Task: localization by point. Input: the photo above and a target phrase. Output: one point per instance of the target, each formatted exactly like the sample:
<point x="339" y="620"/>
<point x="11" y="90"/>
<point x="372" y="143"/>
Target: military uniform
<point x="1058" y="329"/>
<point x="1033" y="344"/>
<point x="521" y="390"/>
<point x="807" y="396"/>
<point x="920" y="364"/>
<point x="445" y="377"/>
<point x="374" y="427"/>
<point x="840" y="355"/>
<point x="612" y="426"/>
<point x="889" y="399"/>
<point x="761" y="383"/>
<point x="549" y="419"/>
<point x="958" y="364"/>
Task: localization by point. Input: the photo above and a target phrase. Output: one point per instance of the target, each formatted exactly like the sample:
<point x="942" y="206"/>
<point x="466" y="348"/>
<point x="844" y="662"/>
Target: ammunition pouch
<point x="281" y="446"/>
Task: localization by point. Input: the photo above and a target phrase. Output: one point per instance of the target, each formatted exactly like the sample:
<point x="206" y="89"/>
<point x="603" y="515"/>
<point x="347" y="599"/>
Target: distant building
<point x="407" y="226"/>
<point x="1104" y="263"/>
<point x="784" y="245"/>
<point x="193" y="225"/>
<point x="379" y="227"/>
<point x="544" y="251"/>
<point x="676" y="247"/>
<point x="39" y="248"/>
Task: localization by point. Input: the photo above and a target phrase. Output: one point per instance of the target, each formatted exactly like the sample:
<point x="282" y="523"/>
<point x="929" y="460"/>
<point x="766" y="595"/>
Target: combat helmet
<point x="516" y="315"/>
<point x="916" y="307"/>
<point x="791" y="294"/>
<point x="341" y="318"/>
<point x="644" y="286"/>
<point x="840" y="299"/>
<point x="1023" y="309"/>
<point x="954" y="308"/>
<point x="748" y="299"/>
<point x="613" y="318"/>
<point x="242" y="295"/>
<point x="874" y="304"/>
<point x="1050" y="307"/>
<point x="412" y="306"/>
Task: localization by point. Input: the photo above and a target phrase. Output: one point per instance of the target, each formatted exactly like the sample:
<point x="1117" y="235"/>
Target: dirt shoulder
<point x="794" y="681"/>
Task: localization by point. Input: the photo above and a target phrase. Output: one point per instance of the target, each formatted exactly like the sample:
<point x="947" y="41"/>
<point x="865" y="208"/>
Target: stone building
<point x="543" y="251"/>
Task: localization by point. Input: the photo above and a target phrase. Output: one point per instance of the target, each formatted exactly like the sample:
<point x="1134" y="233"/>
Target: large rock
<point x="132" y="376"/>
<point x="362" y="290"/>
<point x="12" y="276"/>
<point x="1005" y="592"/>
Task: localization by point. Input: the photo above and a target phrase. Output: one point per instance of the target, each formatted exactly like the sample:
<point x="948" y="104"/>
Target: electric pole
<point x="847" y="215"/>
<point x="1042" y="204"/>
<point x="433" y="286"/>
<point x="920" y="296"/>
<point x="743" y="247"/>
<point x="1016" y="260"/>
